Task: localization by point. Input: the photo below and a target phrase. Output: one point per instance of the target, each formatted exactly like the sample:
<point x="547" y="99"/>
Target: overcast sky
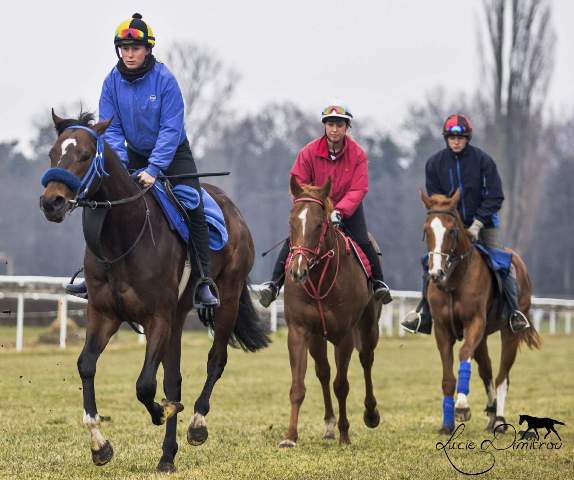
<point x="377" y="55"/>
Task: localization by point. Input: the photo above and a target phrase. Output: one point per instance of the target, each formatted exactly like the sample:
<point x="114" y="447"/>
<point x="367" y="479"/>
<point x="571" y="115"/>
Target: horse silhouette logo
<point x="534" y="423"/>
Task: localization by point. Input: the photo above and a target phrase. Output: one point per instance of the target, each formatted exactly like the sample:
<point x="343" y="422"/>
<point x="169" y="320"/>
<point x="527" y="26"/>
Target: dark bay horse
<point x="140" y="282"/>
<point x="327" y="297"/>
<point x="462" y="303"/>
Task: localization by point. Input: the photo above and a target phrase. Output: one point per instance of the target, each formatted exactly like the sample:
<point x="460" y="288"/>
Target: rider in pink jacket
<point x="335" y="155"/>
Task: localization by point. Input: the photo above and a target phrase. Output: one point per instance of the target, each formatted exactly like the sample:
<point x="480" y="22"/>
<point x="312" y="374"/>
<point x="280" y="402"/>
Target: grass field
<point x="41" y="434"/>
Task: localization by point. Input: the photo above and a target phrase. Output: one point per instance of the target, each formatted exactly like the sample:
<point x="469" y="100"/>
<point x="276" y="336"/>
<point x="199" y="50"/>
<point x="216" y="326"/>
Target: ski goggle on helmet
<point x="134" y="31"/>
<point x="457" y="125"/>
<point x="336" y="110"/>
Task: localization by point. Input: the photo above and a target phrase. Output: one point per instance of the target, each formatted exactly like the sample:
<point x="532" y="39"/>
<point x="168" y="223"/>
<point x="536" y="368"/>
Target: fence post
<point x="537" y="317"/>
<point x="273" y="317"/>
<point x="63" y="317"/>
<point x="20" y="323"/>
<point x="402" y="313"/>
<point x="568" y="322"/>
<point x="552" y="323"/>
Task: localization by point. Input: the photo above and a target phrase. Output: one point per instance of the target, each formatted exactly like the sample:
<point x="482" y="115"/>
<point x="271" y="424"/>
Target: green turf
<point x="41" y="434"/>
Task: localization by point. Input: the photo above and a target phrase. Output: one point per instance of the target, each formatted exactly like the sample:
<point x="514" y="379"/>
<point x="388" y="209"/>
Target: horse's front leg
<point x="318" y="350"/>
<point x="445" y="342"/>
<point x="172" y="388"/>
<point x="99" y="330"/>
<point x="297" y="341"/>
<point x="473" y="335"/>
<point x="343" y="352"/>
<point x="158" y="333"/>
<point x="225" y="317"/>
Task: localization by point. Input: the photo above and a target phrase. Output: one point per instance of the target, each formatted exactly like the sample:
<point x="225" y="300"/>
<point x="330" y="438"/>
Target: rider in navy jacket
<point x="473" y="172"/>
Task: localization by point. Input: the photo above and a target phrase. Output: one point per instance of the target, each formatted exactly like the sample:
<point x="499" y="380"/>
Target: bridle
<point x="314" y="257"/>
<point x="89" y="184"/>
<point x="451" y="260"/>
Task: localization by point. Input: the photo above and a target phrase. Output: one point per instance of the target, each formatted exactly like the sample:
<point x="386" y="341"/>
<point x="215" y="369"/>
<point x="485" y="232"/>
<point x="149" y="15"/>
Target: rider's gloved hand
<point x="145" y="179"/>
<point x="475" y="229"/>
<point x="336" y="217"/>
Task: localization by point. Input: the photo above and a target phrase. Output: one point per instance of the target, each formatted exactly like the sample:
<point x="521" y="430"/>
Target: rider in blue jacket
<point x="147" y="131"/>
<point x="467" y="168"/>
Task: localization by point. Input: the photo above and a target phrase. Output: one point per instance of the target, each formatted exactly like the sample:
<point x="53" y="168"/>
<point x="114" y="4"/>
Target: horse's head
<point x="71" y="157"/>
<point x="309" y="221"/>
<point x="443" y="230"/>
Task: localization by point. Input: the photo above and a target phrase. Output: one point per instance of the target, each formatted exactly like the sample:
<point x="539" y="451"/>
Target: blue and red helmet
<point x="457" y="125"/>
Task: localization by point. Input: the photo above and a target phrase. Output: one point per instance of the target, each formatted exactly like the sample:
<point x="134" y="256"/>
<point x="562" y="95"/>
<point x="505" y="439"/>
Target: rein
<point x="313" y="258"/>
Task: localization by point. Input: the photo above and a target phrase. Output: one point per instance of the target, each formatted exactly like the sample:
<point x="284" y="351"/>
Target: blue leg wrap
<point x="448" y="412"/>
<point x="463" y="385"/>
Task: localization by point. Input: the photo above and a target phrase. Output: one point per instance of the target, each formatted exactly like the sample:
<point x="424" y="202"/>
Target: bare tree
<point x="207" y="87"/>
<point x="517" y="58"/>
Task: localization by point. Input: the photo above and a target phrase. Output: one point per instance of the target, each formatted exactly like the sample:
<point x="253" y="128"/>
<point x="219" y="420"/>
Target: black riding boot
<point x="420" y="320"/>
<point x="271" y="289"/>
<point x="199" y="256"/>
<point x="517" y="320"/>
<point x="380" y="288"/>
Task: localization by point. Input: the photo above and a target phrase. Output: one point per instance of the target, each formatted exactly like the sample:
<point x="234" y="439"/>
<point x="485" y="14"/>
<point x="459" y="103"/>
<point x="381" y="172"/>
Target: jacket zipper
<point x="461" y="187"/>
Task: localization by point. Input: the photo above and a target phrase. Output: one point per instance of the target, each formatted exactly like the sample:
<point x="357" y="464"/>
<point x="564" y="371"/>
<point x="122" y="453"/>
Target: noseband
<point x="451" y="260"/>
<point x="311" y="254"/>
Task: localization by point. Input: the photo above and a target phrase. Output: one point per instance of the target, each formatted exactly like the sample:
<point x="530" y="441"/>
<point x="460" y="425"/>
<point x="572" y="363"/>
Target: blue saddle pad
<point x="189" y="197"/>
<point x="498" y="260"/>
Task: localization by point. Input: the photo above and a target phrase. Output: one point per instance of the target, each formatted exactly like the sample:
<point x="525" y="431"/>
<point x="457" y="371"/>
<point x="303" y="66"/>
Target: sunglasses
<point x="131" y="33"/>
<point x="335" y="109"/>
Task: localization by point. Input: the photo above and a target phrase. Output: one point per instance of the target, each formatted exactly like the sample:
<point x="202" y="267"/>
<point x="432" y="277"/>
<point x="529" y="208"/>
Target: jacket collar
<point x="323" y="149"/>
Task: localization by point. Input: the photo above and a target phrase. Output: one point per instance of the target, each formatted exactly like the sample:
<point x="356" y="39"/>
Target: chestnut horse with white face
<point x="327" y="297"/>
<point x="462" y="303"/>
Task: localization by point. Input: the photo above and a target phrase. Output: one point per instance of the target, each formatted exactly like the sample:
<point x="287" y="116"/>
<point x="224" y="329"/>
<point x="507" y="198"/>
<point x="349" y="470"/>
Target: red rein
<point x="314" y="257"/>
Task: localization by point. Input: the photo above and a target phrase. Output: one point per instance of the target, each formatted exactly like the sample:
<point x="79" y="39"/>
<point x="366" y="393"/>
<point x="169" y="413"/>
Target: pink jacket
<point x="349" y="172"/>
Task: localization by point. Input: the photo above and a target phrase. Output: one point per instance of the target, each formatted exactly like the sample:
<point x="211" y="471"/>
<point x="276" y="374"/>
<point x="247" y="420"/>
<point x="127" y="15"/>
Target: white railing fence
<point x="553" y="310"/>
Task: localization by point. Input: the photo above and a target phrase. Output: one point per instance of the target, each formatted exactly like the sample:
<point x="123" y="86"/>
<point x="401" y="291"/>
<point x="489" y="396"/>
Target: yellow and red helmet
<point x="134" y="31"/>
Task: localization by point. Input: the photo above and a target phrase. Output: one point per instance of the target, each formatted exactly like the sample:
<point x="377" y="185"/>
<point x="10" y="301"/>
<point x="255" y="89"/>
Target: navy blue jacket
<point x="474" y="173"/>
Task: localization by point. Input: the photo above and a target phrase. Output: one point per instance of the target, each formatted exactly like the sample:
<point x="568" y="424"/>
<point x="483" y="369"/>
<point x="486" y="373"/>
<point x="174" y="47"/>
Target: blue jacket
<point x="147" y="115"/>
<point x="474" y="173"/>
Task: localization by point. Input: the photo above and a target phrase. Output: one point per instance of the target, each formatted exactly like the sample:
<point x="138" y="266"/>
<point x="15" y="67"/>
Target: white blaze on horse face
<point x="303" y="217"/>
<point x="93" y="425"/>
<point x="501" y="391"/>
<point x="439" y="231"/>
<point x="65" y="144"/>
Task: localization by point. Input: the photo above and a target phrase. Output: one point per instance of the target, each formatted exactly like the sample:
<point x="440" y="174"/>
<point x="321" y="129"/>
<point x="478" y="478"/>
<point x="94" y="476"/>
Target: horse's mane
<point x="85" y="119"/>
<point x="315" y="192"/>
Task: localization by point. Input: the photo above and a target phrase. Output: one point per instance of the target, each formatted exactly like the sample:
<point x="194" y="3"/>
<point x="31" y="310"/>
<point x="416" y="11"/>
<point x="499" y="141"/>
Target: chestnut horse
<point x="140" y="283"/>
<point x="462" y="303"/>
<point x="327" y="297"/>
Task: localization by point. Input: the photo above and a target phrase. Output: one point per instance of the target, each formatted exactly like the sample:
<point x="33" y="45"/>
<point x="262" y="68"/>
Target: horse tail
<point x="531" y="337"/>
<point x="249" y="332"/>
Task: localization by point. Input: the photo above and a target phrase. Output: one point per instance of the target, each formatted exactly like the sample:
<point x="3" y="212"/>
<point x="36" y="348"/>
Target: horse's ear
<point x="455" y="198"/>
<point x="326" y="188"/>
<point x="57" y="120"/>
<point x="425" y="199"/>
<point x="100" y="127"/>
<point x="294" y="186"/>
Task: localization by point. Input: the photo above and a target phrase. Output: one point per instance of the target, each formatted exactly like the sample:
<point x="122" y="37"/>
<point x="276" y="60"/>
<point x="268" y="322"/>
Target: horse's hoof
<point x="499" y="425"/>
<point x="166" y="467"/>
<point x="103" y="455"/>
<point x="344" y="440"/>
<point x="462" y="414"/>
<point x="445" y="430"/>
<point x="372" y="419"/>
<point x="329" y="436"/>
<point x="287" y="444"/>
<point x="196" y="435"/>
